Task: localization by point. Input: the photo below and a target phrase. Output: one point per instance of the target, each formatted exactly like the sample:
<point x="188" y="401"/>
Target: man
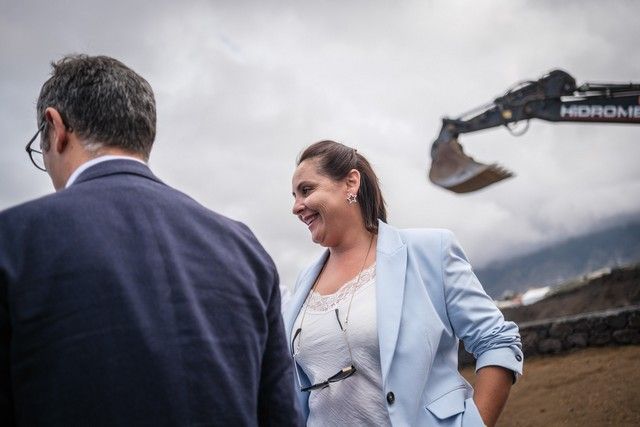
<point x="123" y="301"/>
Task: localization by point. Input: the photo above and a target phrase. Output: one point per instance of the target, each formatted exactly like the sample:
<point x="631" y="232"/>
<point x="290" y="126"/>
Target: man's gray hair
<point x="103" y="101"/>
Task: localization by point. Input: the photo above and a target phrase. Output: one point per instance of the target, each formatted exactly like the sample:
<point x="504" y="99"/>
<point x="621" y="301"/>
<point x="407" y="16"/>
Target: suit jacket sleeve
<point x="278" y="403"/>
<point x="6" y="401"/>
<point x="474" y="316"/>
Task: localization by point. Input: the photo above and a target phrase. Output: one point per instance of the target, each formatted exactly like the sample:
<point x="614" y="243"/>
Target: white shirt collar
<point x="83" y="167"/>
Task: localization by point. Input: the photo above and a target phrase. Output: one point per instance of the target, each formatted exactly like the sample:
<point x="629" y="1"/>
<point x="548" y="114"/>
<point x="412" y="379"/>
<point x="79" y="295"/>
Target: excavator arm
<point x="554" y="97"/>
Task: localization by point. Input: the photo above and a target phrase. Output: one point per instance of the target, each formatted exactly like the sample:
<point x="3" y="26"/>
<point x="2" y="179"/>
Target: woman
<point x="374" y="323"/>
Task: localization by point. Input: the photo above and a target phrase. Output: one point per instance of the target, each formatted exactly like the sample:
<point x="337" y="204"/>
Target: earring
<point x="352" y="198"/>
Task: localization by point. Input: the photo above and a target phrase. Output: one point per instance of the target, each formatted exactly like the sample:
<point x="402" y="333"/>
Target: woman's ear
<point x="353" y="181"/>
<point x="57" y="130"/>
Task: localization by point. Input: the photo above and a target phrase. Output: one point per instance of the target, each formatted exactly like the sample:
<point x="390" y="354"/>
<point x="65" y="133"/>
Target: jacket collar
<point x="113" y="167"/>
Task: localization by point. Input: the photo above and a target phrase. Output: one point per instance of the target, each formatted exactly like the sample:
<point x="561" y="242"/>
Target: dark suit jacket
<point x="124" y="302"/>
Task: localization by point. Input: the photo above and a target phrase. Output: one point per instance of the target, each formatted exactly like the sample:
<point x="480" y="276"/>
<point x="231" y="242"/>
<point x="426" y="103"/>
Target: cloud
<point x="243" y="87"/>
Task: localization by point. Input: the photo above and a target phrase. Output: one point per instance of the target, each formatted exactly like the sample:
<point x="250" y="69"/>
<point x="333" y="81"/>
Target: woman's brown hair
<point x="335" y="160"/>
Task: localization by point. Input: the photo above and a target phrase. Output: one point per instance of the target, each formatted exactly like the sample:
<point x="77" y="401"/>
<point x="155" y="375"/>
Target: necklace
<point x="353" y="292"/>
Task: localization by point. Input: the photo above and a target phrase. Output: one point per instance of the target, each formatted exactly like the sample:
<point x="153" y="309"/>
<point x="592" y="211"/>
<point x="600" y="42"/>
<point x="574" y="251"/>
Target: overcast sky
<point x="243" y="86"/>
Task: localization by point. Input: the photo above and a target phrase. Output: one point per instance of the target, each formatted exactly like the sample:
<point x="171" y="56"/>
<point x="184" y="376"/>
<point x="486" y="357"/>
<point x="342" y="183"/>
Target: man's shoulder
<point x="25" y="209"/>
<point x="222" y="220"/>
<point x="20" y="223"/>
<point x="227" y="228"/>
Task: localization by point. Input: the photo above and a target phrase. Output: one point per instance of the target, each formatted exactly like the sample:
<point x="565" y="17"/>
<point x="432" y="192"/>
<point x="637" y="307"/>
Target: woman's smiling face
<point x="321" y="203"/>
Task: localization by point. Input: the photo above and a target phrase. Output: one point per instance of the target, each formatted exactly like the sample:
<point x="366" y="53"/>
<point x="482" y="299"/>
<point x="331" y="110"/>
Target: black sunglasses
<point x="344" y="373"/>
<point x="35" y="155"/>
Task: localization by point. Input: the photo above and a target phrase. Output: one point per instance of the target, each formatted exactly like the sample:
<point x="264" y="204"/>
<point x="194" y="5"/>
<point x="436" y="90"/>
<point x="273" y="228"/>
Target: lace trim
<point x="317" y="302"/>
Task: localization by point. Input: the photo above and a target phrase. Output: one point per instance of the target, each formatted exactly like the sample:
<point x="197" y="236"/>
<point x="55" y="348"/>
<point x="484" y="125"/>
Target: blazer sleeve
<point x="475" y="318"/>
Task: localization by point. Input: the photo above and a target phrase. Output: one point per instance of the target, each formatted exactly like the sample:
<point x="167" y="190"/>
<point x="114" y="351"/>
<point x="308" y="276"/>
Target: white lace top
<point x="321" y="351"/>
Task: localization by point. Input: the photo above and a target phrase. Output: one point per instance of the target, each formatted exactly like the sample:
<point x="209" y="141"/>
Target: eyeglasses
<point x="342" y="374"/>
<point x="36" y="156"/>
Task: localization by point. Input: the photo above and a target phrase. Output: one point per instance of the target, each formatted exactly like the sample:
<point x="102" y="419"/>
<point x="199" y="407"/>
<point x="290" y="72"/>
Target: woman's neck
<point x="353" y="247"/>
<point x="346" y="261"/>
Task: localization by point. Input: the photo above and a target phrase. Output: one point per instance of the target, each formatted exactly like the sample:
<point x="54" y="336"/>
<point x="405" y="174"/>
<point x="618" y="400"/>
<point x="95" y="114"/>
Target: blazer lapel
<point x="391" y="266"/>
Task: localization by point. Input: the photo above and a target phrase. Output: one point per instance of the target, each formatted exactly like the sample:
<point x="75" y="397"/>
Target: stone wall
<point x="610" y="327"/>
<point x="618" y="326"/>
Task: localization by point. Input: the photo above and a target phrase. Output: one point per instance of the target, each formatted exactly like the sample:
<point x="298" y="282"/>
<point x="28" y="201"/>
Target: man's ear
<point x="58" y="132"/>
<point x="353" y="181"/>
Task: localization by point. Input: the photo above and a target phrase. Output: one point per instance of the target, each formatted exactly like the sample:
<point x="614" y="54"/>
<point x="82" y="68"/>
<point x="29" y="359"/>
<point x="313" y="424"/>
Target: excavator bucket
<point x="457" y="172"/>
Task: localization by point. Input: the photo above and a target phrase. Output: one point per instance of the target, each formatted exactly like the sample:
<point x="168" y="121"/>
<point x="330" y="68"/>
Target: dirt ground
<point x="590" y="387"/>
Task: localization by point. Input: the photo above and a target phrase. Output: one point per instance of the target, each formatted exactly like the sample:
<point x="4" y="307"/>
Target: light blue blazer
<point x="427" y="299"/>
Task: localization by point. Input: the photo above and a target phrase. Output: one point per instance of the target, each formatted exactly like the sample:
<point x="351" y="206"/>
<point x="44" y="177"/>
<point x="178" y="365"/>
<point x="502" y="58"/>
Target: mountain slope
<point x="614" y="246"/>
